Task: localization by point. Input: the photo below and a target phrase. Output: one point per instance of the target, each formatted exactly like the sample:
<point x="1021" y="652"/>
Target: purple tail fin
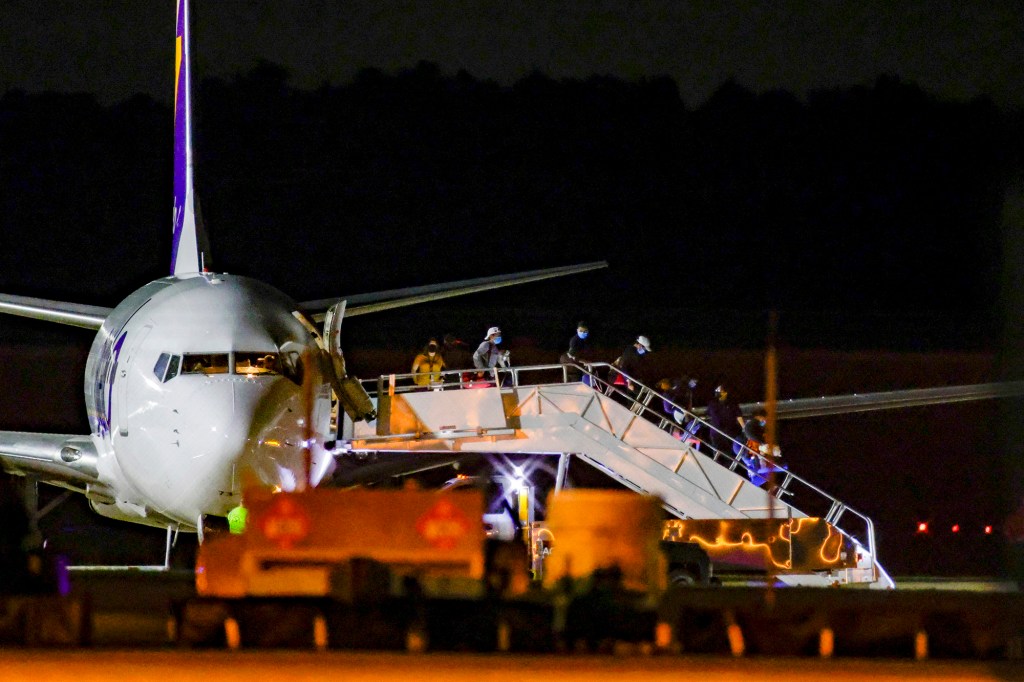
<point x="185" y="244"/>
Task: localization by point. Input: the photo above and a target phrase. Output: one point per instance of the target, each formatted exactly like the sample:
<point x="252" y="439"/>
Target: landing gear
<point x="172" y="539"/>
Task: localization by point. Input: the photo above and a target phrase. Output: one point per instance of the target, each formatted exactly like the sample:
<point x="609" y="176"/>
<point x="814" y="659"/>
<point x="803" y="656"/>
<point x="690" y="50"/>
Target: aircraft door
<point x="332" y="331"/>
<point x="351" y="394"/>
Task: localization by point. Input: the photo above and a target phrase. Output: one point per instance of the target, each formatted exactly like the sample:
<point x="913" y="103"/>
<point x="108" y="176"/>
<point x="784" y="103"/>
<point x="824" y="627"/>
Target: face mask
<point x="497" y="340"/>
<point x="582" y="335"/>
<point x="641" y="350"/>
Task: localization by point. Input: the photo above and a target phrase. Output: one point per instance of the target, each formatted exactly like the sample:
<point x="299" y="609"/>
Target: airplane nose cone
<point x="217" y="434"/>
<point x="212" y="422"/>
<point x="227" y="433"/>
<point x="281" y="457"/>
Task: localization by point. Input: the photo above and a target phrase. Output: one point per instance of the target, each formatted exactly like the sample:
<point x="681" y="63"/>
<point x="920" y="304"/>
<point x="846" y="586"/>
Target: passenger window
<point x="256" y="363"/>
<point x="205" y="363"/>
<point x="160" y="368"/>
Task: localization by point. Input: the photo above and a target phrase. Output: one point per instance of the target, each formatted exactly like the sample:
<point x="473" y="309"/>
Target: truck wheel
<point x="681" y="577"/>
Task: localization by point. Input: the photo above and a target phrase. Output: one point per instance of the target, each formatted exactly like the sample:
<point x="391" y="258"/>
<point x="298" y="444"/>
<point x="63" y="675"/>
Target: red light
<point x="956" y="528"/>
<point x="988" y="530"/>
<point x="922" y="527"/>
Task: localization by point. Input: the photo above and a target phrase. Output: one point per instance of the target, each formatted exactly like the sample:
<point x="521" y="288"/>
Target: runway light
<point x="922" y="527"/>
<point x="956" y="528"/>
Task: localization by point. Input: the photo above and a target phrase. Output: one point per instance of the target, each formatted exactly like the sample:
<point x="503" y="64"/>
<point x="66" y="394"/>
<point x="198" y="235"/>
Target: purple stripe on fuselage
<point x="112" y="375"/>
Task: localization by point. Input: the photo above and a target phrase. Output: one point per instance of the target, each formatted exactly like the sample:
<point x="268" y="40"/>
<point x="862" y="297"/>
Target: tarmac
<point x="186" y="666"/>
<point x="135" y="609"/>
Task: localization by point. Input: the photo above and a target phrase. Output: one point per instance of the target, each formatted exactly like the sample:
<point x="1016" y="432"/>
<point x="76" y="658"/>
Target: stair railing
<point x="832" y="509"/>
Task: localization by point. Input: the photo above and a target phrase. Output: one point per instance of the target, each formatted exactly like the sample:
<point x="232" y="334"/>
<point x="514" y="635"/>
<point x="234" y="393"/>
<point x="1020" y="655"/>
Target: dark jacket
<point x="578" y="348"/>
<point x="633" y="364"/>
<point x="457" y="357"/>
<point x="723" y="416"/>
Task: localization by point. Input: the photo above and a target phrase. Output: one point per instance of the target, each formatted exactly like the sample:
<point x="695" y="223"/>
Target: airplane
<point x="200" y="383"/>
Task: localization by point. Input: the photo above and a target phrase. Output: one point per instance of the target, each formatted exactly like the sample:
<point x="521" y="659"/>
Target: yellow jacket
<point x="427" y="369"/>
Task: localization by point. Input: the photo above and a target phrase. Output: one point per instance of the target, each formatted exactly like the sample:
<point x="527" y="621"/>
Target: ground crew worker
<point x="428" y="365"/>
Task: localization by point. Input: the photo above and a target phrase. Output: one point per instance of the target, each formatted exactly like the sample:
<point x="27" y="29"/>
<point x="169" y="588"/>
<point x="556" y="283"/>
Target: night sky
<point x="118" y="48"/>
<point x="926" y="284"/>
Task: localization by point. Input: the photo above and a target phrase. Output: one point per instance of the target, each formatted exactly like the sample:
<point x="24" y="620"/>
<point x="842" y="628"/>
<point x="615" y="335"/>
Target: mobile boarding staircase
<point x="577" y="411"/>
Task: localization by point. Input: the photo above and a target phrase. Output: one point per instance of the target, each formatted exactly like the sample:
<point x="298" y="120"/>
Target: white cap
<point x="645" y="342"/>
<point x="491" y="332"/>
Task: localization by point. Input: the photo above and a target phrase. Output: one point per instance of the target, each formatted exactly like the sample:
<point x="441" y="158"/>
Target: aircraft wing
<point x="361" y="304"/>
<point x="74" y="314"/>
<point x="800" y="408"/>
<point x="63" y="460"/>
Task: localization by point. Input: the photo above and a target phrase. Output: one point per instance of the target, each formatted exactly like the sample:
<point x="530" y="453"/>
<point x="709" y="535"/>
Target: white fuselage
<point x="194" y="388"/>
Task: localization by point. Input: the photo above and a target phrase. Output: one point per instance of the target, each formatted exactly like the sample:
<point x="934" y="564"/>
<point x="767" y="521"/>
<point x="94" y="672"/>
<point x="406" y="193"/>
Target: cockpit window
<point x="172" y="367"/>
<point x="166" y="367"/>
<point x="160" y="368"/>
<point x="205" y="363"/>
<point x="256" y="363"/>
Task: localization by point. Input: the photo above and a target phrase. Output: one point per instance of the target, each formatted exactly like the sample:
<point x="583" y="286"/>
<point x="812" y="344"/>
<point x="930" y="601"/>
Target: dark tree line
<point x="866" y="198"/>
